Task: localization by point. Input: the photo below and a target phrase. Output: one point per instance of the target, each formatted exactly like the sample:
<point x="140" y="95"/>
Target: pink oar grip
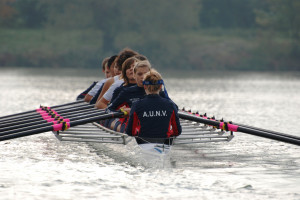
<point x="67" y="120"/>
<point x="45" y="117"/>
<point x="231" y="127"/>
<point x="58" y="127"/>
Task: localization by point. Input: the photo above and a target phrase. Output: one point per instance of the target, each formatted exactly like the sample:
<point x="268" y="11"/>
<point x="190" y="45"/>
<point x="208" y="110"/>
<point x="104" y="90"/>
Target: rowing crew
<point x="137" y="89"/>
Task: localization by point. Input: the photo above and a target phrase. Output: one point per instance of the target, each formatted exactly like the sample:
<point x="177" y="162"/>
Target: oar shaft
<point x="283" y="138"/>
<point x="54" y="127"/>
<point x="26" y="133"/>
<point x="280" y="138"/>
<point x="33" y="111"/>
<point x="40" y="120"/>
<point x="37" y="116"/>
<point x="267" y="131"/>
<point x="26" y="128"/>
<point x="80" y="107"/>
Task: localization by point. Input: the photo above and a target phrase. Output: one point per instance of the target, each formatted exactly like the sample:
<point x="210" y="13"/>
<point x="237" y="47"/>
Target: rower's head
<point x="105" y="69"/>
<point x="111" y="63"/>
<point x="123" y="55"/>
<point x="127" y="70"/>
<point x="141" y="57"/>
<point x="152" y="82"/>
<point x="140" y="69"/>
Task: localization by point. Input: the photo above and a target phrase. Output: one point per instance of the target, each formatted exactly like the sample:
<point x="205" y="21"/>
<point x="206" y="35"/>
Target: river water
<point x="248" y="167"/>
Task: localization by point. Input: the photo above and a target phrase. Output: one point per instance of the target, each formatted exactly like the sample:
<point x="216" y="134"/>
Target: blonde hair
<point x="153" y="76"/>
<point x="144" y="63"/>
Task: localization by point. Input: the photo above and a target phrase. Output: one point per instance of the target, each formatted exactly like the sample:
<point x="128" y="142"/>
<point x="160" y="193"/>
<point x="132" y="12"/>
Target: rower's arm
<point x="118" y="101"/>
<point x="88" y="98"/>
<point x="102" y="103"/>
<point x="105" y="88"/>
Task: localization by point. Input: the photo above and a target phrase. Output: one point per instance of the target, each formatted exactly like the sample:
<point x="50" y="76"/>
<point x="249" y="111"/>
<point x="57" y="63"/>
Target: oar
<point x="51" y="121"/>
<point x="235" y="128"/>
<point x="251" y="127"/>
<point x="63" y="126"/>
<point x="37" y="115"/>
<point x="42" y="111"/>
<point x="33" y="111"/>
<point x="267" y="131"/>
<point x="45" y="120"/>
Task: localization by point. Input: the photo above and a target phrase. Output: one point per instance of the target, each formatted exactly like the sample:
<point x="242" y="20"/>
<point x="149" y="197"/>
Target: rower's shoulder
<point x="110" y="81"/>
<point x="130" y="89"/>
<point x="169" y="102"/>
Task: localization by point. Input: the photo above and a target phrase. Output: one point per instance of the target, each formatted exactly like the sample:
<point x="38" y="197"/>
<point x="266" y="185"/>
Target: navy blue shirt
<point x="128" y="96"/>
<point x="119" y="89"/>
<point x="153" y="117"/>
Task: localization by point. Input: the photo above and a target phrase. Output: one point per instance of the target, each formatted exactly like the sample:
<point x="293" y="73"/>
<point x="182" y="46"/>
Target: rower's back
<point x="153" y="118"/>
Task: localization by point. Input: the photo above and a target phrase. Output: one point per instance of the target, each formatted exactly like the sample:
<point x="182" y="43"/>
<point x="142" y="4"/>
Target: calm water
<point x="248" y="167"/>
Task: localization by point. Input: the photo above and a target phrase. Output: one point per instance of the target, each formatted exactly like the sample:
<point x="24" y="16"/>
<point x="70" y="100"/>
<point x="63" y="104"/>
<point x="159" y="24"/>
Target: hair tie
<point x="159" y="82"/>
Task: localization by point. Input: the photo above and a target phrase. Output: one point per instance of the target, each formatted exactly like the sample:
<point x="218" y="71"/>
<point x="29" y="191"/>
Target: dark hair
<point x="111" y="60"/>
<point x="104" y="62"/>
<point x="126" y="65"/>
<point x="123" y="55"/>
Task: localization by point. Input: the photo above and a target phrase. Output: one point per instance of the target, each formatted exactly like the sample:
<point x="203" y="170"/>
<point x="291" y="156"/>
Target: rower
<point x="95" y="92"/>
<point x="153" y="119"/>
<point x="122" y="56"/>
<point x="129" y="95"/>
<point x="109" y="87"/>
<point x="107" y="73"/>
<point x="126" y="80"/>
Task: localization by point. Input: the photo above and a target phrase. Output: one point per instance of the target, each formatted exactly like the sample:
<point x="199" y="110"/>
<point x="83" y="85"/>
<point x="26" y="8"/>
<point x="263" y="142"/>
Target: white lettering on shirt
<point x="156" y="113"/>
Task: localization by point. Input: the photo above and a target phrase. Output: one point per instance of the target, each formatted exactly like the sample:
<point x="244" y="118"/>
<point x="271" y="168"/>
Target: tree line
<point x="200" y="34"/>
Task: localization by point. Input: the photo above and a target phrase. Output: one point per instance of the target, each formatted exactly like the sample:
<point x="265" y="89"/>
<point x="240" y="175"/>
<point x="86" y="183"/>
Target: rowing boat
<point x="196" y="128"/>
<point x="99" y="136"/>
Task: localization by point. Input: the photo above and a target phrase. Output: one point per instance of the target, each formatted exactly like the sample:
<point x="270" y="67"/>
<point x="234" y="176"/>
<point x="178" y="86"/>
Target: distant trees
<point x="227" y="14"/>
<point x="282" y="16"/>
<point x="168" y="31"/>
<point x="7" y="13"/>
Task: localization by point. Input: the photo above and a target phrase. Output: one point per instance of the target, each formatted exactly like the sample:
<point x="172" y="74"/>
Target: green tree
<point x="227" y="14"/>
<point x="31" y="13"/>
<point x="7" y="13"/>
<point x="283" y="16"/>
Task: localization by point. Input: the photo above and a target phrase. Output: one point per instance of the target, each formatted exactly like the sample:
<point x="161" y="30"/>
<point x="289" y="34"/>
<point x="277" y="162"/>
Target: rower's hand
<point x="125" y="110"/>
